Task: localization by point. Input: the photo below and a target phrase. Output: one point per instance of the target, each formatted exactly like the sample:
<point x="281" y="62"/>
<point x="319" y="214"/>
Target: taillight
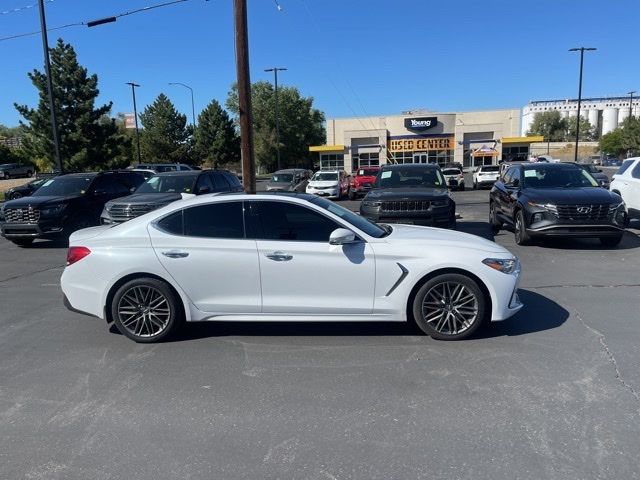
<point x="76" y="253"/>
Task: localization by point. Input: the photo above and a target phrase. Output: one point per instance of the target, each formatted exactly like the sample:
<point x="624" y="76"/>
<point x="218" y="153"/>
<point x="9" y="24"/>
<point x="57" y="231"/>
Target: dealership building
<point x="470" y="138"/>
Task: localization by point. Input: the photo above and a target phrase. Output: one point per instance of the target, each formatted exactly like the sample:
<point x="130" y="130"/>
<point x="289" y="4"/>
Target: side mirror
<point x="203" y="189"/>
<point x="342" y="236"/>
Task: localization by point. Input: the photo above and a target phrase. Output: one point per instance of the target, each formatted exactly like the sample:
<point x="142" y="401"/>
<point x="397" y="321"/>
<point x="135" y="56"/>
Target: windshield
<point x="490" y="168"/>
<point x="325" y="177"/>
<point x="367" y="172"/>
<point x="64" y="186"/>
<point x="367" y="226"/>
<point x="451" y="171"/>
<point x="168" y="184"/>
<point x="558" y="178"/>
<point x="410" y="177"/>
<point x="282" y="178"/>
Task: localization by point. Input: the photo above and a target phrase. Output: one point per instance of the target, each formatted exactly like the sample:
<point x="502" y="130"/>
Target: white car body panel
<point x="628" y="186"/>
<point x="480" y="177"/>
<point x="233" y="280"/>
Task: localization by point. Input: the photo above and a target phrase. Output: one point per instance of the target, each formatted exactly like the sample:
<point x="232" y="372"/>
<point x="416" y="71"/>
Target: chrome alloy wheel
<point x="450" y="308"/>
<point x="144" y="311"/>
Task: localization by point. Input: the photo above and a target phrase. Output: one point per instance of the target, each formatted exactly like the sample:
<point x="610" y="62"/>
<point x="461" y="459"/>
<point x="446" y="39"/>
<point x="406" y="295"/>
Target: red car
<point x="362" y="181"/>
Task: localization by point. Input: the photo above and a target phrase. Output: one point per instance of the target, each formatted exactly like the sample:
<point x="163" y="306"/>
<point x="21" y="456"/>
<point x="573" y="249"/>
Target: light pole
<point x="47" y="68"/>
<point x="275" y="71"/>
<point x="581" y="50"/>
<point x="631" y="102"/>
<point x="193" y="108"/>
<point x="135" y="115"/>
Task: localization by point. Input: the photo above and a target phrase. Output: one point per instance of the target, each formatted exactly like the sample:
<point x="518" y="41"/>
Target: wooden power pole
<point x="244" y="96"/>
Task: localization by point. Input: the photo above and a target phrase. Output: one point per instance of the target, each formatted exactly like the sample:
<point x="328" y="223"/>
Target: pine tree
<point x="89" y="138"/>
<point x="216" y="140"/>
<point x="165" y="137"/>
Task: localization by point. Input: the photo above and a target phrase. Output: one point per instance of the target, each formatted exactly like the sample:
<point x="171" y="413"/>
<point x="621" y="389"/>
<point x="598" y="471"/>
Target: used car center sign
<point x="420" y="123"/>
<point x="421" y="144"/>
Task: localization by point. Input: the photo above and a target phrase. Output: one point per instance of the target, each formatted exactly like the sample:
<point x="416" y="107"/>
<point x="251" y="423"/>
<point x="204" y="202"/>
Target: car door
<point x="500" y="192"/>
<point x="633" y="188"/>
<point x="301" y="273"/>
<point x="205" y="251"/>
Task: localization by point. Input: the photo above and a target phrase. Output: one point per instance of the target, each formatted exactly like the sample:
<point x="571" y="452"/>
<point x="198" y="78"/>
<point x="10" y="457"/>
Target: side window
<point x="131" y="180"/>
<point x="635" y="173"/>
<point x="232" y="179"/>
<point x="507" y="176"/>
<point x="286" y="221"/>
<point x="219" y="183"/>
<point x="110" y="185"/>
<point x="172" y="223"/>
<point x="203" y="182"/>
<point x="214" y="220"/>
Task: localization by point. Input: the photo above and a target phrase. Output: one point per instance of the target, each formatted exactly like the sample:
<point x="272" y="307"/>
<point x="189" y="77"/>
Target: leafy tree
<point x="216" y="139"/>
<point x="166" y="137"/>
<point x="301" y="125"/>
<point x="624" y="139"/>
<point x="89" y="139"/>
<point x="549" y="124"/>
<point x="587" y="132"/>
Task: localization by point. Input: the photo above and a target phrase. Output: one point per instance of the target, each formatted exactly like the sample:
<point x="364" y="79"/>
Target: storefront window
<point x="515" y="153"/>
<point x="331" y="161"/>
<point x="440" y="157"/>
<point x="366" y="160"/>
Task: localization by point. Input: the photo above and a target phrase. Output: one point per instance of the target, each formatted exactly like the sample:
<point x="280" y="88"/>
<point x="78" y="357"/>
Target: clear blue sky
<point x="355" y="57"/>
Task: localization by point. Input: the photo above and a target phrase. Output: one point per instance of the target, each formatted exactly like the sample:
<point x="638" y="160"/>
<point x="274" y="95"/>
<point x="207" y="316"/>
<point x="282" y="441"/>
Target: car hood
<point x="406" y="194"/>
<point x="147" y="198"/>
<point x="323" y="183"/>
<point x="408" y="234"/>
<point x="570" y="196"/>
<point x="27" y="202"/>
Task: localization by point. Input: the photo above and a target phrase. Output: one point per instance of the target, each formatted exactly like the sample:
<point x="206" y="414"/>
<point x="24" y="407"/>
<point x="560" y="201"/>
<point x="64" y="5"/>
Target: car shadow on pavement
<point x="481" y="229"/>
<point x="538" y="314"/>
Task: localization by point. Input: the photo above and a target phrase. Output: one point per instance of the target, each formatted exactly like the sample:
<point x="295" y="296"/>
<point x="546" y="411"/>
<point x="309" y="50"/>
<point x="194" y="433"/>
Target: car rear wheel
<point x="29" y="174"/>
<point x="7" y="175"/>
<point x="146" y="310"/>
<point x="449" y="307"/>
<point x="520" y="230"/>
<point x="475" y="185"/>
<point x="611" y="241"/>
<point x="352" y="195"/>
<point x="495" y="224"/>
<point x="462" y="187"/>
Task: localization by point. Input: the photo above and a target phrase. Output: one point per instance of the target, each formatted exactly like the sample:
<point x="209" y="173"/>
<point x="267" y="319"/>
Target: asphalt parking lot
<point x="552" y="393"/>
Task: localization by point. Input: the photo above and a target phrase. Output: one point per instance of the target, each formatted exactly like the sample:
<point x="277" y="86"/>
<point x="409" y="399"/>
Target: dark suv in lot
<point x="410" y="193"/>
<point x="164" y="188"/>
<point x="555" y="199"/>
<point x="64" y="204"/>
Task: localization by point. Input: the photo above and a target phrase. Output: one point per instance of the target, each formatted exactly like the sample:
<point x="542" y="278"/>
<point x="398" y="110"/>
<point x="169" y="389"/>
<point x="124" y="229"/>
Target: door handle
<point x="279" y="256"/>
<point x="175" y="254"/>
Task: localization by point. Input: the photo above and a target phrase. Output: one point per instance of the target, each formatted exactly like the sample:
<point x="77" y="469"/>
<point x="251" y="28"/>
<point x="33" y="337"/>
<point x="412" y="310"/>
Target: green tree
<point x="89" y="139"/>
<point x="216" y="139"/>
<point x="301" y="125"/>
<point x="624" y="139"/>
<point x="165" y="137"/>
<point x="587" y="132"/>
<point x="549" y="124"/>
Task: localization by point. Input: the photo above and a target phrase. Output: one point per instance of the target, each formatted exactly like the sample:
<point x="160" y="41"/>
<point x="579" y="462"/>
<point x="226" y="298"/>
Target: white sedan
<point x="284" y="258"/>
<point x="485" y="176"/>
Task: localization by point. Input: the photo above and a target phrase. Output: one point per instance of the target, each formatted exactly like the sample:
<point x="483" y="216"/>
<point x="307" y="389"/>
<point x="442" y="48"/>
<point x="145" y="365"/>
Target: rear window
<point x="451" y="171"/>
<point x="490" y="168"/>
<point x="367" y="172"/>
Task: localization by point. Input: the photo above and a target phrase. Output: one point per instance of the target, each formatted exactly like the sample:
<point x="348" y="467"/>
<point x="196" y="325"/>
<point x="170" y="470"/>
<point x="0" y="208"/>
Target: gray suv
<point x="9" y="170"/>
<point x="289" y="180"/>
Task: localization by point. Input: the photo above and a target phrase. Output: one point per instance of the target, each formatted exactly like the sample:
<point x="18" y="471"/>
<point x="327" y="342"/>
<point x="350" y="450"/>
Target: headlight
<point x="53" y="210"/>
<point x="504" y="265"/>
<point x="440" y="203"/>
<point x="370" y="203"/>
<point x="548" y="207"/>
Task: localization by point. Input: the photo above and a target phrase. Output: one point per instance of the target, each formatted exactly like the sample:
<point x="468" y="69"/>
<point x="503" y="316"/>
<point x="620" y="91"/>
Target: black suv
<point x="64" y="204"/>
<point x="164" y="188"/>
<point x="555" y="199"/>
<point x="410" y="193"/>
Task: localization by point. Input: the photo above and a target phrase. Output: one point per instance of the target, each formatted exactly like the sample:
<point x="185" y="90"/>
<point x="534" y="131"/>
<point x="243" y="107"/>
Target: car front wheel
<point x="520" y="231"/>
<point x="449" y="307"/>
<point x="146" y="310"/>
<point x="495" y="224"/>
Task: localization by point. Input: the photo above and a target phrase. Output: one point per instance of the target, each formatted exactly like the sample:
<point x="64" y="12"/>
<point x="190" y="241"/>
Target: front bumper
<point x="436" y="217"/>
<point x="573" y="230"/>
<point x="325" y="192"/>
<point x="44" y="228"/>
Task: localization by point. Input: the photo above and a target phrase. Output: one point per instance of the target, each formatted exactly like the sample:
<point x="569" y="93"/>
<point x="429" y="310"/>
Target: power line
<point x="20" y="9"/>
<point x="92" y="23"/>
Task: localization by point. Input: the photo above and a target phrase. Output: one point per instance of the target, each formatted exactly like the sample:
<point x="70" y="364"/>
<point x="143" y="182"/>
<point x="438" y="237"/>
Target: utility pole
<point x="275" y="75"/>
<point x="581" y="50"/>
<point x="631" y="102"/>
<point x="47" y="68"/>
<point x="135" y="115"/>
<point x="244" y="96"/>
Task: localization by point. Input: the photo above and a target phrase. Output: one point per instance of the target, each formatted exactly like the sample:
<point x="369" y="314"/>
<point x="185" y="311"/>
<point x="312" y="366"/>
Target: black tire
<point x="22" y="242"/>
<point x="352" y="195"/>
<point x="15" y="196"/>
<point x="475" y="185"/>
<point x="520" y="231"/>
<point x="610" y="241"/>
<point x="7" y="175"/>
<point x="434" y="314"/>
<point x="139" y="325"/>
<point x="29" y="173"/>
<point x="494" y="223"/>
<point x="462" y="187"/>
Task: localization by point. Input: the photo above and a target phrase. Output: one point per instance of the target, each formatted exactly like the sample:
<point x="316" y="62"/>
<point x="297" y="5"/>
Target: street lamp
<point x="275" y="71"/>
<point x="47" y="68"/>
<point x="193" y="108"/>
<point x="135" y="115"/>
<point x="631" y="102"/>
<point x="581" y="50"/>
